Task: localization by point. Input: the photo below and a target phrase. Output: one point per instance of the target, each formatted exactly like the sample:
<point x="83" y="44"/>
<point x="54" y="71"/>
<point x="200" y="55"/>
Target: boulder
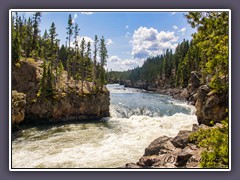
<point x="181" y="140"/>
<point x="18" y="107"/>
<point x="195" y="160"/>
<point x="184" y="94"/>
<point x="128" y="83"/>
<point x="194" y="81"/>
<point x="160" y="145"/>
<point x="210" y="106"/>
<point x="183" y="157"/>
<point x="162" y="154"/>
<point x="149" y="161"/>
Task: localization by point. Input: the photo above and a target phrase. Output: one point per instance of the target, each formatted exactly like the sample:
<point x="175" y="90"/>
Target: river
<point x="137" y="118"/>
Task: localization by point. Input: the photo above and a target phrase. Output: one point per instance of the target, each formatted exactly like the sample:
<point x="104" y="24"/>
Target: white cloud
<point x="114" y="59"/>
<point x="109" y="41"/>
<point x="75" y="16"/>
<point x="79" y="39"/>
<point x="149" y="42"/>
<point x="126" y="26"/>
<point x="117" y="64"/>
<point x="127" y="35"/>
<point x="87" y="13"/>
<point x="173" y="13"/>
<point x="183" y="30"/>
<point x="175" y="27"/>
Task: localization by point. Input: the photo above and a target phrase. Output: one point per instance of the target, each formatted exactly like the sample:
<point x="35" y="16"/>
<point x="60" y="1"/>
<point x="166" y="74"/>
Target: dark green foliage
<point x="42" y="89"/>
<point x="27" y="42"/>
<point x="103" y="60"/>
<point x="16" y="53"/>
<point x="63" y="55"/>
<point x="36" y="22"/>
<point x="207" y="53"/>
<point x="69" y="29"/>
<point x="50" y="89"/>
<point x="46" y="89"/>
<point x="215" y="144"/>
<point x="212" y="41"/>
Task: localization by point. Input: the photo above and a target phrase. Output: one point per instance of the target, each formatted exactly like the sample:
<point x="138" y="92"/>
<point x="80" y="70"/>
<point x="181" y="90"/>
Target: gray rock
<point x="160" y="145"/>
<point x="181" y="140"/>
<point x="18" y="107"/>
<point x="210" y="106"/>
<point x="183" y="157"/>
<point x="195" y="127"/>
<point x="195" y="80"/>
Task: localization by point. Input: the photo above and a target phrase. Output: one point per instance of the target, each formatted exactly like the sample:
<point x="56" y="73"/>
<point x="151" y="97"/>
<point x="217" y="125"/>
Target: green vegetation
<point x="212" y="40"/>
<point x="28" y="45"/>
<point x="206" y="53"/>
<point x="215" y="144"/>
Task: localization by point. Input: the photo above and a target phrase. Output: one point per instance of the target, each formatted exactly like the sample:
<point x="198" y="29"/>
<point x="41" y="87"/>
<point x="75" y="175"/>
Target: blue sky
<point x="131" y="37"/>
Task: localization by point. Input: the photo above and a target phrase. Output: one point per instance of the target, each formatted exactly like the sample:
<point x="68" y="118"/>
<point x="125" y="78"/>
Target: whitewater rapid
<point x="137" y="118"/>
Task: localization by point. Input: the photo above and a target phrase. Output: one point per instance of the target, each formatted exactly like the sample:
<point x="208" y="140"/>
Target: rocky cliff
<point x="18" y="107"/>
<point x="210" y="106"/>
<point x="69" y="102"/>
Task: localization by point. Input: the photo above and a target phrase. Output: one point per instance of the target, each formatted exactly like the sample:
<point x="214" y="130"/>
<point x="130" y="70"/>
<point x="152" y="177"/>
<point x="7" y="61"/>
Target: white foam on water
<point x="108" y="144"/>
<point x="122" y="141"/>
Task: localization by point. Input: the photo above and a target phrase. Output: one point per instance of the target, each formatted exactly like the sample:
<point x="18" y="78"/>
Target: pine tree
<point x="53" y="46"/>
<point x="36" y="31"/>
<point x="50" y="90"/>
<point x="94" y="67"/>
<point x="69" y="29"/>
<point x="103" y="60"/>
<point x="212" y="41"/>
<point x="29" y="38"/>
<point x="42" y="89"/>
<point x="88" y="61"/>
<point x="16" y="53"/>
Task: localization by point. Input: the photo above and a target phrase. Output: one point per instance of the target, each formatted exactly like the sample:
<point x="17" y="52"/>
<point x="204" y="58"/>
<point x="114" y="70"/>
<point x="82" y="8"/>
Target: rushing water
<point x="137" y="118"/>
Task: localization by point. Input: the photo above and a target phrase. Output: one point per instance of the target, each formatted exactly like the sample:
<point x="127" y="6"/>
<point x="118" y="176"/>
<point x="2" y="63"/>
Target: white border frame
<point x="113" y="10"/>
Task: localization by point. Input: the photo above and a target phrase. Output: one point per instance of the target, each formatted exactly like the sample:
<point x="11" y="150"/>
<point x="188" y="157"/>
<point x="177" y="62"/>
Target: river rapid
<point x="137" y="118"/>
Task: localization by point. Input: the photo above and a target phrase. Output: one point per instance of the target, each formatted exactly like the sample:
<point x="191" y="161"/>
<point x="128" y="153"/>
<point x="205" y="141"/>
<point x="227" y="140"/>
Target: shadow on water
<point x="59" y="127"/>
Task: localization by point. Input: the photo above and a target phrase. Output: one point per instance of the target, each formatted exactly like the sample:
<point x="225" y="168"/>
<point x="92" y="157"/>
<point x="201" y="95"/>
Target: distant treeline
<point x="206" y="53"/>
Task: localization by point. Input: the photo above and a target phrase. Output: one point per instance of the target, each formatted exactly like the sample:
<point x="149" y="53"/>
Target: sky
<point x="131" y="37"/>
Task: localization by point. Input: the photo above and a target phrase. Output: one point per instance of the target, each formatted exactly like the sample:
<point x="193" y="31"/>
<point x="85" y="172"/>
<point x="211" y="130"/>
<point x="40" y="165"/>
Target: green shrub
<point x="31" y="60"/>
<point x="215" y="144"/>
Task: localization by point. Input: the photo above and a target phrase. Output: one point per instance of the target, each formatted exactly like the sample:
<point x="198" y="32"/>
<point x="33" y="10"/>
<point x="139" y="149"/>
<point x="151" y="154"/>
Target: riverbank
<point x="136" y="119"/>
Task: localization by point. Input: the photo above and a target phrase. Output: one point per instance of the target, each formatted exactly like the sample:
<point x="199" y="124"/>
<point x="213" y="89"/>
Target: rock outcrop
<point x="210" y="106"/>
<point x="167" y="152"/>
<point x="18" y="107"/>
<point x="69" y="102"/>
<point x="176" y="152"/>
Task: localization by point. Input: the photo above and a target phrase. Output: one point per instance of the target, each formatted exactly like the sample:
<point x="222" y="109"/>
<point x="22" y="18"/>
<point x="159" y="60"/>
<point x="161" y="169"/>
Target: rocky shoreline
<point x="176" y="152"/>
<point x="179" y="152"/>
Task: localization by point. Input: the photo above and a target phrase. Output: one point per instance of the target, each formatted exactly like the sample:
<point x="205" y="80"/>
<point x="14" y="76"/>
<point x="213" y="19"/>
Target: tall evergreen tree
<point x="94" y="67"/>
<point x="69" y="29"/>
<point x="36" y="31"/>
<point x="212" y="41"/>
<point x="103" y="60"/>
